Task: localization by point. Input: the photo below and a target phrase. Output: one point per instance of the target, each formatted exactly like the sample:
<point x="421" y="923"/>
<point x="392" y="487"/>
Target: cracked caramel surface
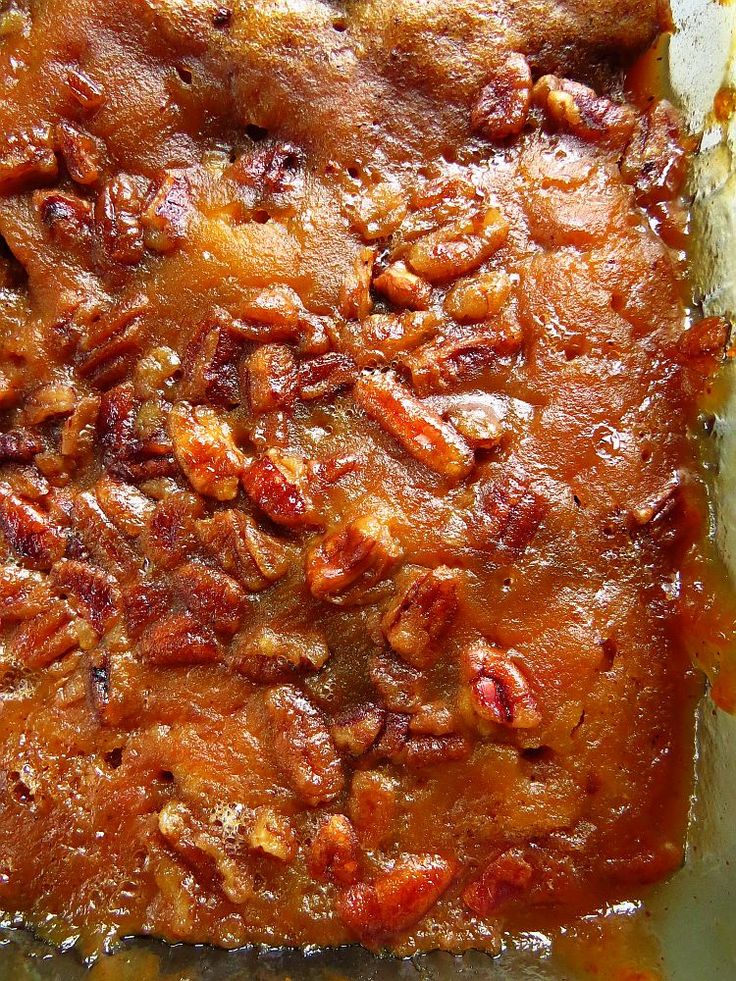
<point x="349" y="519"/>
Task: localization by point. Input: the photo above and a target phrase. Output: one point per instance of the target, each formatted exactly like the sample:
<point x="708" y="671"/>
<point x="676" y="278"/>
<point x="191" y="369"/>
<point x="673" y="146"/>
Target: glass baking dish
<point x="691" y="915"/>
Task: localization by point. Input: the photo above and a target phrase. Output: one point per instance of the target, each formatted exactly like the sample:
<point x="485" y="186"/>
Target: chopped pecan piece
<point x="46" y="637"/>
<point x="355" y="293"/>
<point x="372" y="806"/>
<point x="503" y="104"/>
<point x="93" y="593"/>
<point x="420" y="616"/>
<point x="27" y="160"/>
<point x="657" y="506"/>
<point x="211" y="595"/>
<point x="403" y="287"/>
<point x="80" y="152"/>
<point x="248" y="553"/>
<point x="346" y="565"/>
<point x="29" y="531"/>
<point x="424" y="434"/>
<point x="478" y="297"/>
<point x="88" y="94"/>
<point x="303" y="747"/>
<point x="80" y="429"/>
<point x="577" y="109"/>
<point x="458" y="247"/>
<point x="433" y="719"/>
<point x="19" y="446"/>
<point x="204" y="449"/>
<point x="209" y="366"/>
<point x="655" y="161"/>
<point x="503" y="879"/>
<point x="170" y="535"/>
<point x="399" y="684"/>
<point x="268" y="656"/>
<point x="166" y="216"/>
<point x="356" y="729"/>
<point x="383" y="336"/>
<point x="178" y="640"/>
<point x="203" y="851"/>
<point x="49" y="402"/>
<point x="276" y="484"/>
<point x="321" y="377"/>
<point x="379" y="210"/>
<point x="272" y="378"/>
<point x="499" y="691"/>
<point x="506" y="517"/>
<point x="269" y="170"/>
<point x="118" y="221"/>
<point x="396" y="899"/>
<point x="272" y="834"/>
<point x="479" y="423"/>
<point x="67" y="217"/>
<point x="439" y="365"/>
<point x="335" y="853"/>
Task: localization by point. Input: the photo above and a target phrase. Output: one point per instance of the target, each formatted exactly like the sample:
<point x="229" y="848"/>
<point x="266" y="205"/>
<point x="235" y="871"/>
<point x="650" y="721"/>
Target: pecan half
<point x="423" y="433"/>
<point x="499" y="690"/>
<point x="403" y="287"/>
<point x="344" y="567"/>
<point x="396" y="899"/>
<point x="272" y="378"/>
<point x="458" y="247"/>
<point x="655" y="161"/>
<point x="124" y="505"/>
<point x="381" y="337"/>
<point x="356" y="729"/>
<point x="205" y="451"/>
<point x="478" y="297"/>
<point x="248" y="553"/>
<point x="23" y="593"/>
<point x="87" y="94"/>
<point x="178" y="640"/>
<point x="268" y="656"/>
<point x="322" y="377"/>
<point x="503" y="104"/>
<point x="166" y="216"/>
<point x="101" y="537"/>
<point x="276" y="483"/>
<point x="67" y="219"/>
<point x="373" y="806"/>
<point x="506" y="517"/>
<point x="80" y="152"/>
<point x="118" y="221"/>
<point x="27" y="160"/>
<point x="170" y="534"/>
<point x="335" y="854"/>
<point x="19" y="446"/>
<point x="302" y="746"/>
<point x="577" y="109"/>
<point x="439" y="365"/>
<point x="93" y="593"/>
<point x="420" y="616"/>
<point x="211" y="595"/>
<point x="46" y="637"/>
<point x="29" y="531"/>
<point x="209" y="366"/>
<point x="503" y="879"/>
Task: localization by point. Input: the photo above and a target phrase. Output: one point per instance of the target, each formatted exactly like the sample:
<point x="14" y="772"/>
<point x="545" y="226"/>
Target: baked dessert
<point x="348" y="501"/>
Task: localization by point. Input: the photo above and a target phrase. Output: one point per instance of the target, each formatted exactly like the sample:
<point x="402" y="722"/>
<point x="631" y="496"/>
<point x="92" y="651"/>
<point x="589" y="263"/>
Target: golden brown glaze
<point x="345" y="473"/>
